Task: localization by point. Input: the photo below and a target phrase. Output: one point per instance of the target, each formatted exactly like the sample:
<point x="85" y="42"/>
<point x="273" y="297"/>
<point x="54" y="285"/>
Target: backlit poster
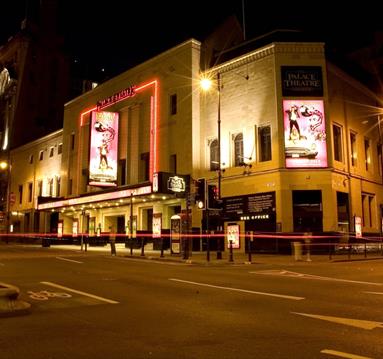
<point x="103" y="148"/>
<point x="305" y="133"/>
<point x="233" y="235"/>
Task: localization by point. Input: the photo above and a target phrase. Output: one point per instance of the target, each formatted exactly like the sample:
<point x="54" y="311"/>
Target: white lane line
<point x="238" y="289"/>
<point x="284" y="273"/>
<point x="379" y="293"/>
<point x="343" y="354"/>
<point x="2" y="264"/>
<point x="80" y="292"/>
<point x="68" y="260"/>
<point x="358" y="323"/>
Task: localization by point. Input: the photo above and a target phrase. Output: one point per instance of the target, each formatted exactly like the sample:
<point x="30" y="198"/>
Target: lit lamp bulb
<point x="205" y="84"/>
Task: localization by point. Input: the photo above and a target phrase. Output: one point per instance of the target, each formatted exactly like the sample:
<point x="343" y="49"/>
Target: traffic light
<point x="213" y="200"/>
<point x="200" y="194"/>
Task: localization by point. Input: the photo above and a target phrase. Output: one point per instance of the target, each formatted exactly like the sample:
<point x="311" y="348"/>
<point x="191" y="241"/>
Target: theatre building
<point x="284" y="141"/>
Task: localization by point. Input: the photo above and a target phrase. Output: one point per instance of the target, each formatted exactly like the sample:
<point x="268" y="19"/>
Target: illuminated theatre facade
<point x="300" y="147"/>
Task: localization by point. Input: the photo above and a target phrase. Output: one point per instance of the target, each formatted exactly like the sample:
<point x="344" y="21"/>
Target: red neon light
<point x="154" y="121"/>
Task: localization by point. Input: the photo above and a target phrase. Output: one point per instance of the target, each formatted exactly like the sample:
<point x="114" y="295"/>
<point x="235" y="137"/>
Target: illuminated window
<point x="337" y="142"/>
<point x="367" y="153"/>
<point x="173" y="104"/>
<point x="353" y="149"/>
<point x="264" y="141"/>
<point x="380" y="159"/>
<point x="214" y="156"/>
<point x="238" y="149"/>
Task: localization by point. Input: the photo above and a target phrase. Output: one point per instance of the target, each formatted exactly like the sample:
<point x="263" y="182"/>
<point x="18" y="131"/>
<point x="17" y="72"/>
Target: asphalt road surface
<point x="93" y="305"/>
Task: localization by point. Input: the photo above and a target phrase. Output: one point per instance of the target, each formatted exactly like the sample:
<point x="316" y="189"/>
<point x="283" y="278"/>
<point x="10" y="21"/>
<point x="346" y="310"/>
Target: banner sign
<point x="305" y="133"/>
<point x="302" y="81"/>
<point x="103" y="149"/>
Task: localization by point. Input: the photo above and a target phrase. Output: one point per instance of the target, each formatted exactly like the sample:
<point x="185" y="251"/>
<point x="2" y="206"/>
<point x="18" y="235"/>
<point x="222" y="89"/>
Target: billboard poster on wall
<point x="305" y="133"/>
<point x="103" y="148"/>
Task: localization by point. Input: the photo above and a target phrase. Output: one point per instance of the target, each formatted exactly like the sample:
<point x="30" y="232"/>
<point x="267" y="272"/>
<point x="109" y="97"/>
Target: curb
<point x="10" y="305"/>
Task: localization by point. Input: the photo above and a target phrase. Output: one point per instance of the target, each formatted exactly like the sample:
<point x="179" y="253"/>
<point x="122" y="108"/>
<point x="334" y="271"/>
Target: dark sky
<point x="119" y="34"/>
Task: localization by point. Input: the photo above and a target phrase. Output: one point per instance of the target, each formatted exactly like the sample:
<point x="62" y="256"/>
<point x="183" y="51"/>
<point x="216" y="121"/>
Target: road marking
<point x="342" y="354"/>
<point x="286" y="273"/>
<point x="363" y="324"/>
<point x="2" y="264"/>
<point x="238" y="289"/>
<point x="379" y="293"/>
<point x="69" y="260"/>
<point x="80" y="292"/>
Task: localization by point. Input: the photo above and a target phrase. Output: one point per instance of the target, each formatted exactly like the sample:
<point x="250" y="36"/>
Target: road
<point x="93" y="305"/>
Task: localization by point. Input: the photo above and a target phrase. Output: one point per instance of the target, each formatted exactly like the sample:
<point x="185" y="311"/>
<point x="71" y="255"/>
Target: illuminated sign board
<point x="103" y="149"/>
<point x="358" y="226"/>
<point x="302" y="81"/>
<point x="157" y="225"/>
<point x="305" y="133"/>
<point x="164" y="182"/>
<point x="233" y="235"/>
<point x="117" y="97"/>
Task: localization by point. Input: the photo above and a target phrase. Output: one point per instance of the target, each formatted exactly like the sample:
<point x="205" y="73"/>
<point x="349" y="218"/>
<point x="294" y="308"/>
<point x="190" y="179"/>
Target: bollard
<point x="162" y="248"/>
<point x="208" y="247"/>
<point x="231" y="259"/>
<point x="112" y="240"/>
<point x="249" y="247"/>
<point x="142" y="247"/>
<point x="297" y="248"/>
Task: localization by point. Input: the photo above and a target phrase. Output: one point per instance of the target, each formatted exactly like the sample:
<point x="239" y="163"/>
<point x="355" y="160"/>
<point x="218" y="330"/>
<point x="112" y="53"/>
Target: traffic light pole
<point x="219" y="134"/>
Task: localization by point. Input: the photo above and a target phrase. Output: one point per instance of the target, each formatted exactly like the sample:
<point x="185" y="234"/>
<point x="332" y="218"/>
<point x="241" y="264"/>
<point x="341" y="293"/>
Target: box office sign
<point x="253" y="204"/>
<point x="302" y="81"/>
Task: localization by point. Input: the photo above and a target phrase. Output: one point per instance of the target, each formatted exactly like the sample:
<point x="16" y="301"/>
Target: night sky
<point x="119" y="34"/>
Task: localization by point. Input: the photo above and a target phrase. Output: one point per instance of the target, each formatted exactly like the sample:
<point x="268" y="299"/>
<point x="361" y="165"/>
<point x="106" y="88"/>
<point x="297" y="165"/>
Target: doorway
<point x="307" y="211"/>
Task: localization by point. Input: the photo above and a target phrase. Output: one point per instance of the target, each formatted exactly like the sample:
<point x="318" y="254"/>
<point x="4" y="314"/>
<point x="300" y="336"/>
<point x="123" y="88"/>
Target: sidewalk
<point x="201" y="257"/>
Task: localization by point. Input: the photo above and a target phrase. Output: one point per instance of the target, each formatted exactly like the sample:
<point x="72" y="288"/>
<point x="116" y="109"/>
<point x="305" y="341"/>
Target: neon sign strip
<point x="153" y="160"/>
<point x="96" y="198"/>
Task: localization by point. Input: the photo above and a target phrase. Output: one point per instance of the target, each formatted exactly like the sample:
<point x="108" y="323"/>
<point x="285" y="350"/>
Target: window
<point x="368" y="209"/>
<point x="337" y="133"/>
<point x="60" y="149"/>
<point x="367" y="153"/>
<point x="173" y="163"/>
<point x="380" y="159"/>
<point x="41" y="155"/>
<point x="50" y="187"/>
<point x="30" y="159"/>
<point x="353" y="149"/>
<point x="122" y="171"/>
<point x="214" y="155"/>
<point x="264" y="140"/>
<point x="72" y="141"/>
<point x="30" y="191"/>
<point x="58" y="186"/>
<point x="70" y="185"/>
<point x="51" y="152"/>
<point x="238" y="149"/>
<point x="145" y="166"/>
<point x="40" y="188"/>
<point x="20" y="194"/>
<point x="173" y="104"/>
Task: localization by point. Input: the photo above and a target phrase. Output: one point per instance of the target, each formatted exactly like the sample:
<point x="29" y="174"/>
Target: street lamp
<point x="206" y="84"/>
<point x="5" y="166"/>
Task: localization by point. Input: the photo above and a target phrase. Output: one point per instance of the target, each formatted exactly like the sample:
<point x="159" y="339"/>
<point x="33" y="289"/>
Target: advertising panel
<point x="103" y="148"/>
<point x="358" y="226"/>
<point x="233" y="235"/>
<point x="157" y="225"/>
<point x="305" y="133"/>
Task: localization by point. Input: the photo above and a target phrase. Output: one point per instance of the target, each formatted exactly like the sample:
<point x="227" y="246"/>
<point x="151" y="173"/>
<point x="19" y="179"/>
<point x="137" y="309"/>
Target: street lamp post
<point x="219" y="134"/>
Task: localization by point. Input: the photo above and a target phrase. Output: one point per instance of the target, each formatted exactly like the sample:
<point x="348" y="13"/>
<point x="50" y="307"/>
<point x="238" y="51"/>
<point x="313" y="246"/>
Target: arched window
<point x="214" y="160"/>
<point x="238" y="149"/>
